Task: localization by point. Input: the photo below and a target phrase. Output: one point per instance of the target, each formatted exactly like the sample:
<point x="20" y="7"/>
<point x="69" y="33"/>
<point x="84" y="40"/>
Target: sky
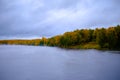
<point x="38" y="18"/>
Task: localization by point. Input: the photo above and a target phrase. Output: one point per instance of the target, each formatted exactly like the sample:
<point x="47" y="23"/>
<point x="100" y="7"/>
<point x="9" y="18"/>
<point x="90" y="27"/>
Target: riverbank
<point x="90" y="45"/>
<point x="82" y="46"/>
<point x="102" y="38"/>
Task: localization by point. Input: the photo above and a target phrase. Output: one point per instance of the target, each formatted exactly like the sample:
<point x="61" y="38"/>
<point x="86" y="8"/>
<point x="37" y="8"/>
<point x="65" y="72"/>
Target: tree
<point x="101" y="37"/>
<point x="112" y="37"/>
<point x="117" y="31"/>
<point x="44" y="41"/>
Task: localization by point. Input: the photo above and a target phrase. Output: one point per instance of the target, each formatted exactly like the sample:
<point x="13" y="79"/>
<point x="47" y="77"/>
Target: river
<point x="52" y="63"/>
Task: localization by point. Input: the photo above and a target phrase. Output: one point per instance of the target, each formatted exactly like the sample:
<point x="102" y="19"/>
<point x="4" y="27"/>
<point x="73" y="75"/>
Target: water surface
<point x="51" y="63"/>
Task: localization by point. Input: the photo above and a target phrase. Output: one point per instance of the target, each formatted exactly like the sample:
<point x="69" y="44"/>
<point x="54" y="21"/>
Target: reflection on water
<point x="51" y="63"/>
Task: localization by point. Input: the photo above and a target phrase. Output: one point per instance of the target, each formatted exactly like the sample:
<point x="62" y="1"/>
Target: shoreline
<point x="75" y="47"/>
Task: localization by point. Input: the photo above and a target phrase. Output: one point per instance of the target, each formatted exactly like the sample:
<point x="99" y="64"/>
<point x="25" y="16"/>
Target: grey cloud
<point x="29" y="18"/>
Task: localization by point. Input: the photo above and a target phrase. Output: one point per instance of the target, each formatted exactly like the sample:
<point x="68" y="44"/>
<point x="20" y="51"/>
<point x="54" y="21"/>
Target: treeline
<point x="34" y="42"/>
<point x="21" y="42"/>
<point x="108" y="38"/>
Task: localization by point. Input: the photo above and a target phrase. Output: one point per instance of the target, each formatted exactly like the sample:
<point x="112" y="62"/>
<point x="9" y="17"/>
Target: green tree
<point x="112" y="37"/>
<point x="101" y="37"/>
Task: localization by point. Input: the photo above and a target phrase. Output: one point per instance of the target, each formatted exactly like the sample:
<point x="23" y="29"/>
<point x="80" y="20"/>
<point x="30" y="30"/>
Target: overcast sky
<point x="37" y="18"/>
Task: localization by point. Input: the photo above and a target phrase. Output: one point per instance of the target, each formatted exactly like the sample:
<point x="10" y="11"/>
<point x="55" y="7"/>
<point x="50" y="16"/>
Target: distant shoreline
<point x="99" y="38"/>
<point x="77" y="47"/>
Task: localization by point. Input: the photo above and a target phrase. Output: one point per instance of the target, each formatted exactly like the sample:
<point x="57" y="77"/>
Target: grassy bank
<point x="90" y="45"/>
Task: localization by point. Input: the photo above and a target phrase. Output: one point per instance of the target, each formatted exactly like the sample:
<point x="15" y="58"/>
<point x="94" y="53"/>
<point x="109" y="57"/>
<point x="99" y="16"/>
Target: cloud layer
<point x="37" y="18"/>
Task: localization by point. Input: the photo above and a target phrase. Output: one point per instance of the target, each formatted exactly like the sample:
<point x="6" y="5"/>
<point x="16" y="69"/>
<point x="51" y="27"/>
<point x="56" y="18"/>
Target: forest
<point x="99" y="38"/>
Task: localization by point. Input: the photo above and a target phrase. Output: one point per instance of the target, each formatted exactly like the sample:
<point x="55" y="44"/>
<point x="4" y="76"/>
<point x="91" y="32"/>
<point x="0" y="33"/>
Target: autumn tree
<point x="101" y="38"/>
<point x="112" y="37"/>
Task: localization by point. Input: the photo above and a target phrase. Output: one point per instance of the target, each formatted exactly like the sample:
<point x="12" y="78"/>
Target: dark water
<point x="50" y="63"/>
